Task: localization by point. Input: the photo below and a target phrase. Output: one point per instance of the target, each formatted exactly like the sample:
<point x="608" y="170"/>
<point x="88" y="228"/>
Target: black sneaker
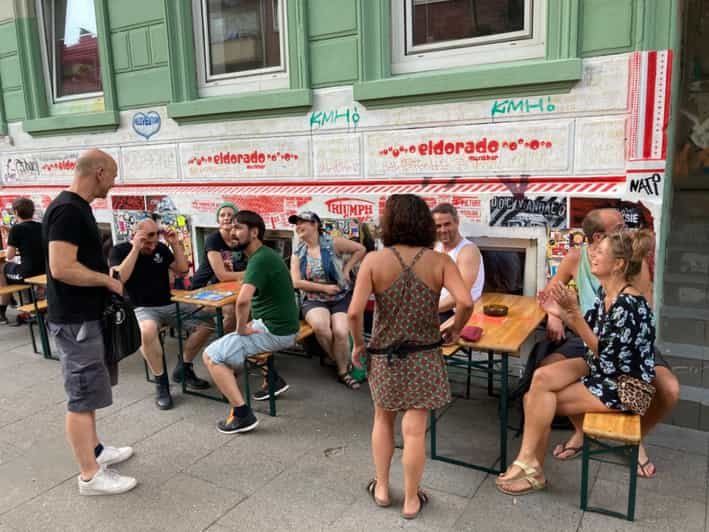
<point x="233" y="424"/>
<point x="280" y="387"/>
<point x="163" y="399"/>
<point x="192" y="380"/>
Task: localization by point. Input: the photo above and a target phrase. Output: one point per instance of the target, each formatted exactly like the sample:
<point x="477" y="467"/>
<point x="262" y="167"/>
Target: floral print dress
<point x="626" y="345"/>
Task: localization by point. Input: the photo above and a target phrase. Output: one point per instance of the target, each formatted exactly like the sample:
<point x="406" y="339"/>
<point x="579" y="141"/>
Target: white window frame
<point x="529" y="43"/>
<point x="269" y="78"/>
<point x="50" y="70"/>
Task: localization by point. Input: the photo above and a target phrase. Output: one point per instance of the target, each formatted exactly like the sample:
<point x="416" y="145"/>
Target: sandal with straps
<point x="527" y="473"/>
<point x="371" y="487"/>
<point x="348" y="380"/>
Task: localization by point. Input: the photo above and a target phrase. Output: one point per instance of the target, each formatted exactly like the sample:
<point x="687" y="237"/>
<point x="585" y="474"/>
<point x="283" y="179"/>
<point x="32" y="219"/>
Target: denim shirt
<point x="331" y="261"/>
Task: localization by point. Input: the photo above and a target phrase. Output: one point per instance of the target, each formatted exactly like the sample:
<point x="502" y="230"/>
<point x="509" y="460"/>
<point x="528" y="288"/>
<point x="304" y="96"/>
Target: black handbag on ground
<point x="121" y="332"/>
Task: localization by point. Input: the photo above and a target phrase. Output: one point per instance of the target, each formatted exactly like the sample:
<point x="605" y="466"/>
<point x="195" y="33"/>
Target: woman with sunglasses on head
<point x="319" y="271"/>
<point x="619" y="332"/>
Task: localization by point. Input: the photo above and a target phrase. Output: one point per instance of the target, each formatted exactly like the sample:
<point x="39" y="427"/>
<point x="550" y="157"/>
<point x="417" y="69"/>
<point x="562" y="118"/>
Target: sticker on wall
<point x="635" y="214"/>
<point x="146" y="124"/>
<point x="19" y="168"/>
<point x="645" y="180"/>
<point x="508" y="211"/>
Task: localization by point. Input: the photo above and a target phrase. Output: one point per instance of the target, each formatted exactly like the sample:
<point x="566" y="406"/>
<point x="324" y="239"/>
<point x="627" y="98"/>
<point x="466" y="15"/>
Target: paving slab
<point x="654" y="512"/>
<point x="680" y="439"/>
<point x="183" y="503"/>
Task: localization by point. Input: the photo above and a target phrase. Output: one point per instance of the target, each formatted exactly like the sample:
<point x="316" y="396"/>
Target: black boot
<point x="186" y="371"/>
<point x="164" y="399"/>
<point x="3" y="316"/>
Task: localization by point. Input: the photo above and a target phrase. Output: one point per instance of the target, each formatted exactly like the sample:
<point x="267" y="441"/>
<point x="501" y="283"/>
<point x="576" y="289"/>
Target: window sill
<point x="262" y="104"/>
<point x="483" y="81"/>
<point x="72" y="123"/>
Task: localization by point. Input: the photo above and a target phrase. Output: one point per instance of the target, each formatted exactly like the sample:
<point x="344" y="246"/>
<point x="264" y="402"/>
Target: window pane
<point x="75" y="63"/>
<point x="242" y="35"/>
<point x="439" y="21"/>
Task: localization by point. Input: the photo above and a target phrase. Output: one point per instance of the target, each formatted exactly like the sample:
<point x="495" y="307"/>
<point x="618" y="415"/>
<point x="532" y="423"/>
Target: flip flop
<point x="371" y="487"/>
<point x="566" y="448"/>
<point x="423" y="499"/>
<point x="647" y="469"/>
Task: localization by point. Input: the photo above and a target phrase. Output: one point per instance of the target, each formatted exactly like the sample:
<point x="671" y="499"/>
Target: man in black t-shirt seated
<point x="26" y="237"/>
<point x="143" y="265"/>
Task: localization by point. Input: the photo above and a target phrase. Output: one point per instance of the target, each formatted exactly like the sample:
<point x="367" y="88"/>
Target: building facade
<point x="524" y="114"/>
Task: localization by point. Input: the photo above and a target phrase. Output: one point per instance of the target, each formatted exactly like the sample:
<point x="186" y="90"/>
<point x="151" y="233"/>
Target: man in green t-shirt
<point x="266" y="293"/>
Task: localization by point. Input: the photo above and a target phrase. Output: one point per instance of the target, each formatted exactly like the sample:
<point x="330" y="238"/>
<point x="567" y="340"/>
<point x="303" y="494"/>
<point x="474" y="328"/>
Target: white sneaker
<point x="106" y="482"/>
<point x="114" y="455"/>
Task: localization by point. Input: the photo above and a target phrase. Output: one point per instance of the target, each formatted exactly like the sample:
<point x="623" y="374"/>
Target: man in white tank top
<point x="465" y="254"/>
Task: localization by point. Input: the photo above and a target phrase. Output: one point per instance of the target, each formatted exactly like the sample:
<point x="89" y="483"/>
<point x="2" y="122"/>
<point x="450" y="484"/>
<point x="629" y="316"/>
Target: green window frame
<point x="188" y="106"/>
<point x="557" y="71"/>
<point x="41" y="119"/>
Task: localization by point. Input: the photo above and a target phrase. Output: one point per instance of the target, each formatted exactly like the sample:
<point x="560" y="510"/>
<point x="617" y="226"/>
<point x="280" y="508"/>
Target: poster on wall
<point x="507" y="211"/>
<point x="559" y="242"/>
<point x="635" y="214"/>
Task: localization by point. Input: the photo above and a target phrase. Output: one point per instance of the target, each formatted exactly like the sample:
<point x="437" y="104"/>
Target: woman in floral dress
<point x="619" y="332"/>
<point x="406" y="370"/>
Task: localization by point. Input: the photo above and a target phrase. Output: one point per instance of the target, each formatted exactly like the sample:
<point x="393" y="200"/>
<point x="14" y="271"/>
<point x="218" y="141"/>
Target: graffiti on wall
<point x="334" y="117"/>
<point x="635" y="214"/>
<point x="19" y="169"/>
<point x="522" y="106"/>
<point x="528" y="212"/>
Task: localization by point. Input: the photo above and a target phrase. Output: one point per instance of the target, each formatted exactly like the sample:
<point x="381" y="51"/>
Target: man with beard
<point x="464" y="253"/>
<point x="144" y="266"/>
<point x="266" y="293"/>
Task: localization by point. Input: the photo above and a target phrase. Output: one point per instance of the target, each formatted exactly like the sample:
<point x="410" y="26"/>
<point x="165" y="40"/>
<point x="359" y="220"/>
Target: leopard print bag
<point x="635" y="394"/>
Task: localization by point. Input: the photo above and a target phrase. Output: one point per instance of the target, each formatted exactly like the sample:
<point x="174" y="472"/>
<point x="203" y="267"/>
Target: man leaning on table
<point x="267" y="292"/>
<point x="464" y="253"/>
<point x="144" y="266"/>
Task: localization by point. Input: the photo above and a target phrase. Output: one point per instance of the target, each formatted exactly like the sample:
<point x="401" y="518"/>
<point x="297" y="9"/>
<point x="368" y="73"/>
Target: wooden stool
<point x="624" y="428"/>
<point x="264" y="363"/>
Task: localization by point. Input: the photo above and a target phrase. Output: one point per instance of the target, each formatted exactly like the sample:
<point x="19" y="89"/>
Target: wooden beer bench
<point x="617" y="427"/>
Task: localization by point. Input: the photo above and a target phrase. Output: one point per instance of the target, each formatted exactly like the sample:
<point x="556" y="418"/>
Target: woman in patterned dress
<point x="619" y="332"/>
<point x="406" y="370"/>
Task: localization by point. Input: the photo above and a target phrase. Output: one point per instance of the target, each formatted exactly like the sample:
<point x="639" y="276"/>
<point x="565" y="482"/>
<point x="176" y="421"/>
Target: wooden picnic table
<point x="502" y="337"/>
<point x="40" y="280"/>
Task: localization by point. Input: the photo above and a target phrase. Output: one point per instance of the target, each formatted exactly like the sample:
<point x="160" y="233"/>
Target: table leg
<point x="503" y="413"/>
<point x="220" y="323"/>
<point x="434" y="454"/>
<point x="180" y="349"/>
<point x="490" y="371"/>
<point x="43" y="336"/>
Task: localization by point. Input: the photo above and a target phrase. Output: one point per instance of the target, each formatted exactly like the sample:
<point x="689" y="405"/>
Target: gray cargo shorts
<point x="81" y="353"/>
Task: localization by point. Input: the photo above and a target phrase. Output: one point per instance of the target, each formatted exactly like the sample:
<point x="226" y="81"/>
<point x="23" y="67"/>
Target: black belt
<point x="403" y="350"/>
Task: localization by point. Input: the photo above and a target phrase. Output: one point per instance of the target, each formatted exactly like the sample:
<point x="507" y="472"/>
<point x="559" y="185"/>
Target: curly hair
<point x="407" y="220"/>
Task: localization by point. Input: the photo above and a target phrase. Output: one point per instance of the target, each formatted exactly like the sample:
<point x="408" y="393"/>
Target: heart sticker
<point x="146" y="124"/>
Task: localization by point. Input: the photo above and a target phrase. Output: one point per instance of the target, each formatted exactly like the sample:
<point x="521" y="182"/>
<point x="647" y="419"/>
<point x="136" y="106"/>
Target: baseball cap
<point x="307" y="216"/>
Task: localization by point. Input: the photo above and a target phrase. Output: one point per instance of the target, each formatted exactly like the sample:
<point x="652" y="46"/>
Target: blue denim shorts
<point x="232" y="350"/>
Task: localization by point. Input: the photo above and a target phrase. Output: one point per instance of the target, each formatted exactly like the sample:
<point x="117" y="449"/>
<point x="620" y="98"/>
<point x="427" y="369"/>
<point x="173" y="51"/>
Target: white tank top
<point x="477" y="289"/>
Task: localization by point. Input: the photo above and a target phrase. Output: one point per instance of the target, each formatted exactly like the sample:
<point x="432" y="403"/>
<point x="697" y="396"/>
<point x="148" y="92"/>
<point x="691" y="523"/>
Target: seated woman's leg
<point x="341" y="349"/>
<point x="413" y="429"/>
<point x="382" y="450"/>
<point x="554" y="377"/>
<point x="319" y="319"/>
<point x="539" y="410"/>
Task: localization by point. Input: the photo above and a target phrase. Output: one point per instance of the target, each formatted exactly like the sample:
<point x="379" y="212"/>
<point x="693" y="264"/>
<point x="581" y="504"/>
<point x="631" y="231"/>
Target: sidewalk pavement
<point x="303" y="470"/>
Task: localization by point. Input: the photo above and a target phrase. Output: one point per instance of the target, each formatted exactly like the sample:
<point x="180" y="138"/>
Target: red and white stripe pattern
<point x="604" y="185"/>
<point x="649" y="94"/>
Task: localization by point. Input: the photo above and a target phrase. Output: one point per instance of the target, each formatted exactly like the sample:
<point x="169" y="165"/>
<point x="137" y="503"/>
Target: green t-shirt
<point x="273" y="302"/>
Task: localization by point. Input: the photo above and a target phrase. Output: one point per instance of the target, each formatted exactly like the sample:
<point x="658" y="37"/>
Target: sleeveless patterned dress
<point x="407" y="312"/>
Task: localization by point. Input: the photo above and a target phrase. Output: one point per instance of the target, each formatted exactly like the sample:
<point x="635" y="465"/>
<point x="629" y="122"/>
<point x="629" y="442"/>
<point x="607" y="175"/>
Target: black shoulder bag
<point x="121" y="332"/>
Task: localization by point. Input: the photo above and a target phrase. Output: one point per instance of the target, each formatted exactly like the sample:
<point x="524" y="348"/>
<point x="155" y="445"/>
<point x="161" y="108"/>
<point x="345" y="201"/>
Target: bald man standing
<point x="144" y="265"/>
<point x="77" y="285"/>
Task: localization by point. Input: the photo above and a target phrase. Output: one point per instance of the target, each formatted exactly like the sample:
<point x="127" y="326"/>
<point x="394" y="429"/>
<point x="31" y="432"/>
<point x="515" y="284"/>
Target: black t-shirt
<point x="27" y="238"/>
<point x="69" y="218"/>
<point x="149" y="284"/>
<point x="205" y="274"/>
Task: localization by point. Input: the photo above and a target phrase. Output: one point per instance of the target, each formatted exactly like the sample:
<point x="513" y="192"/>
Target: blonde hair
<point x="633" y="246"/>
